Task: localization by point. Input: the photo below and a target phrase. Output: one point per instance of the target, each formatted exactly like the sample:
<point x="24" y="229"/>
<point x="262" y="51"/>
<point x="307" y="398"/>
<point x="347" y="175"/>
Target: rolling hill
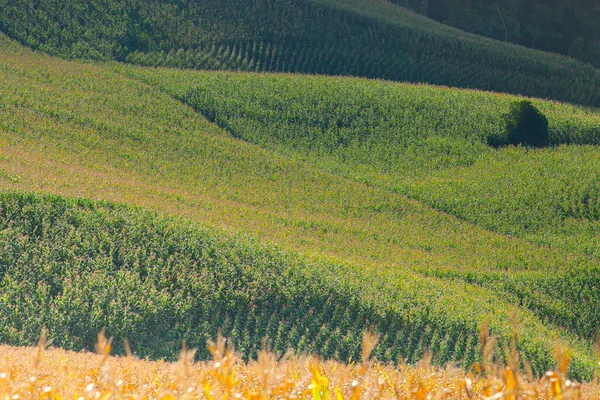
<point x="431" y="144"/>
<point x="358" y="241"/>
<point x="561" y="26"/>
<point x="366" y="38"/>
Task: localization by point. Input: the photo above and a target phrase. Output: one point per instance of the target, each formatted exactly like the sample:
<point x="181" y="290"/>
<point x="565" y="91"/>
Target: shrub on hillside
<point x="525" y="124"/>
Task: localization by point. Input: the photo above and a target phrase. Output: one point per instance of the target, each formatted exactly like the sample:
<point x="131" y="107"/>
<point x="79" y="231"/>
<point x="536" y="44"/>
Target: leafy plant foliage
<point x="75" y="266"/>
<point x="430" y="144"/>
<point x="422" y="278"/>
<point x="526" y="125"/>
<point x="382" y="133"/>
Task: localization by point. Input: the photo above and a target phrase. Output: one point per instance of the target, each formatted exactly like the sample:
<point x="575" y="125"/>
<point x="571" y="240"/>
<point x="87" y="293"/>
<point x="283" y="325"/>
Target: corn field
<point x="364" y="38"/>
<point x="308" y="247"/>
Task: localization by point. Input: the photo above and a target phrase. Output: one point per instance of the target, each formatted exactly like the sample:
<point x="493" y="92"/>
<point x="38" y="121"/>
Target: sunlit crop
<point x="43" y="373"/>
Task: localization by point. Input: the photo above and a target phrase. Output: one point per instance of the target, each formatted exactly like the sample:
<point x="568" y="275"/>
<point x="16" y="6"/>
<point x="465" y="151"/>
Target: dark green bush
<point x="526" y="125"/>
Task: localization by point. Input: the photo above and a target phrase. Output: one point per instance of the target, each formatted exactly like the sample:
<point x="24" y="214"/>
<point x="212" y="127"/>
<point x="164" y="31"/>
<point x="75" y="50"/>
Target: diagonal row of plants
<point x="365" y="38"/>
<point x="428" y="142"/>
<point x="75" y="266"/>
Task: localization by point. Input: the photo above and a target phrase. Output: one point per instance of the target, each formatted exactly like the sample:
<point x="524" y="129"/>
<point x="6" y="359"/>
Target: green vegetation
<point x="75" y="266"/>
<point x="427" y="142"/>
<point x="370" y="255"/>
<point x="526" y="125"/>
<point x="430" y="144"/>
<point x="561" y="26"/>
<point x="367" y="38"/>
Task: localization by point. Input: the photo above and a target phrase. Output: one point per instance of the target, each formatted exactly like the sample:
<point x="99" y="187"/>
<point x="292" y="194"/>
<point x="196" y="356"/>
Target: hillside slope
<point x="562" y="26"/>
<point x="378" y="257"/>
<point x="428" y="142"/>
<point x="368" y="38"/>
<point x="431" y="144"/>
<point x="78" y="266"/>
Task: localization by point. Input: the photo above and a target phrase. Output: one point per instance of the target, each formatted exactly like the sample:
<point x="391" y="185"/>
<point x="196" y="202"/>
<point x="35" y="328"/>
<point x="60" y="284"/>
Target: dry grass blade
<point x="104" y="344"/>
<point x="370" y="340"/>
<point x="42" y="345"/>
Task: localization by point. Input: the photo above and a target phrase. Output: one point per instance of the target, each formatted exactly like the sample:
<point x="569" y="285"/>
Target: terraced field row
<point x="426" y="142"/>
<point x="431" y="144"/>
<point x="365" y="38"/>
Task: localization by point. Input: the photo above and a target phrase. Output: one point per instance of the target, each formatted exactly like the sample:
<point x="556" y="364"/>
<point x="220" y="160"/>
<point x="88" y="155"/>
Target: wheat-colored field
<point x="50" y="373"/>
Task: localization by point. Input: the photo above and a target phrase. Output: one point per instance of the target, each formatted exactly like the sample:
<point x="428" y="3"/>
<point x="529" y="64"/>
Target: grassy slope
<point x="368" y="38"/>
<point x="158" y="281"/>
<point x="84" y="130"/>
<point x="430" y="143"/>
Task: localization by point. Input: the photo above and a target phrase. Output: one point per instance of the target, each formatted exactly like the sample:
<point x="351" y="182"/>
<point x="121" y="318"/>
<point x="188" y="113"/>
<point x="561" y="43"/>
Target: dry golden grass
<point x="41" y="373"/>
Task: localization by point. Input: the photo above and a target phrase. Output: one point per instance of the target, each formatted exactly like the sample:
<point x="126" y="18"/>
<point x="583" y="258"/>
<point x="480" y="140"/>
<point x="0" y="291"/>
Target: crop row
<point x="75" y="266"/>
<point x="382" y="132"/>
<point x="372" y="40"/>
<point x="88" y="130"/>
